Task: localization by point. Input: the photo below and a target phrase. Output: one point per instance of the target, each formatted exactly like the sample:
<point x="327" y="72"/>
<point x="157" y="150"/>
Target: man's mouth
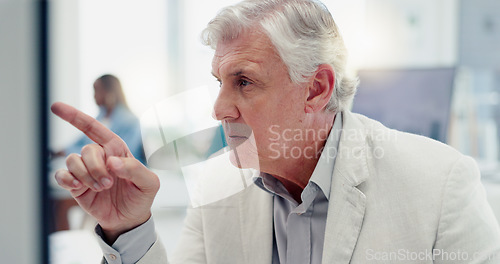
<point x="236" y="133"/>
<point x="234" y="141"/>
<point x="237" y="137"/>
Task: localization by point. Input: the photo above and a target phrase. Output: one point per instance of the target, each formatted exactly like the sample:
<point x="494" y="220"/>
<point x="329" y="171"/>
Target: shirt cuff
<point x="131" y="246"/>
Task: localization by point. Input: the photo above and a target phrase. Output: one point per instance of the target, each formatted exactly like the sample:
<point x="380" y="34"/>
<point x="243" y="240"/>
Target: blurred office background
<point x="54" y="50"/>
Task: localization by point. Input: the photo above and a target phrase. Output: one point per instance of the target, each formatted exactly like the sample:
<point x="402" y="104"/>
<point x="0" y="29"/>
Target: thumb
<point x="133" y="170"/>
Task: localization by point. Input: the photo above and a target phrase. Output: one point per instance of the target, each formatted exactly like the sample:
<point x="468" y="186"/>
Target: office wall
<point x="480" y="33"/>
<point x="20" y="216"/>
<point x="408" y="33"/>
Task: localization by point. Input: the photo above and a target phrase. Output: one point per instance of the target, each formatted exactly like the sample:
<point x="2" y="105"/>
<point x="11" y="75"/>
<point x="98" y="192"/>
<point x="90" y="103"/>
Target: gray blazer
<point x="395" y="198"/>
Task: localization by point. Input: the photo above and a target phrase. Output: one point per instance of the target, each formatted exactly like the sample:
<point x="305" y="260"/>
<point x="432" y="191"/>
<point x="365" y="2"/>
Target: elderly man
<point x="331" y="186"/>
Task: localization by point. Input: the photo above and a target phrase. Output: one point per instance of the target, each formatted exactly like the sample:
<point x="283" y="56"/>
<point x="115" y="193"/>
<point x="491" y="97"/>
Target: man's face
<point x="256" y="101"/>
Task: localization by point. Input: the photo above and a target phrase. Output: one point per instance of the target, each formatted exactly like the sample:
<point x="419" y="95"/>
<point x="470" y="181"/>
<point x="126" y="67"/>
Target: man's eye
<point x="244" y="83"/>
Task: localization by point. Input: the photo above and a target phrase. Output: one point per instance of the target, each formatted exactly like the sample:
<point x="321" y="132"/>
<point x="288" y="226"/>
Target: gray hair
<point x="303" y="33"/>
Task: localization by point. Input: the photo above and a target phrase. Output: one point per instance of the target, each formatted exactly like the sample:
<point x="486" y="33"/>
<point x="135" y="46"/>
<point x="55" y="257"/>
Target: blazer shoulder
<point x="405" y="147"/>
<point x="401" y="155"/>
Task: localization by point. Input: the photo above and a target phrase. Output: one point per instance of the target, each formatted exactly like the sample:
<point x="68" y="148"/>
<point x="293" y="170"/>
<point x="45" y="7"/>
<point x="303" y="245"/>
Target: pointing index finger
<point x="96" y="131"/>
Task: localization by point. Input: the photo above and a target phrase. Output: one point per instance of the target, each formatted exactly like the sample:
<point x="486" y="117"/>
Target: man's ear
<point x="320" y="88"/>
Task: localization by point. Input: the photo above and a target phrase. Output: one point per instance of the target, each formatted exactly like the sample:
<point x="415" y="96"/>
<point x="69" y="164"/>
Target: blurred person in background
<point x="115" y="114"/>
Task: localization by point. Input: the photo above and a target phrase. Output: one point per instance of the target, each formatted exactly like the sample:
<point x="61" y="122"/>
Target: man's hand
<point x="106" y="180"/>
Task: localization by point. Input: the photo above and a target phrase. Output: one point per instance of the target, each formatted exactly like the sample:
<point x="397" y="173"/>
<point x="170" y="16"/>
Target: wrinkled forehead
<point x="253" y="44"/>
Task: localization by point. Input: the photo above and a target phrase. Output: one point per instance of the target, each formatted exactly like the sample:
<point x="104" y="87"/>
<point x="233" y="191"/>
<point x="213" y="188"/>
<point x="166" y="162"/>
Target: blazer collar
<point x="256" y="222"/>
<point x="353" y="150"/>
<point x="347" y="203"/>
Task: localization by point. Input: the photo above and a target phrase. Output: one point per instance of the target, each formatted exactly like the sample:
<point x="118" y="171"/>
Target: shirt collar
<point x="322" y="174"/>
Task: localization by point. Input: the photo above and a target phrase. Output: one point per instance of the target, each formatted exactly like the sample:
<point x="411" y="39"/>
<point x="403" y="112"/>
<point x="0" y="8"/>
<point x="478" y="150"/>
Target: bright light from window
<point x="128" y="39"/>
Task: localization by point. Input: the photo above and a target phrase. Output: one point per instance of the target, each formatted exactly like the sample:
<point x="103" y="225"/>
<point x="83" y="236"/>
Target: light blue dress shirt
<point x="299" y="229"/>
<point x="131" y="246"/>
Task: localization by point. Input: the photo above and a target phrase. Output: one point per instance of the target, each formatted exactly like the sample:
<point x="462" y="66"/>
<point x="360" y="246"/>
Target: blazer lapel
<point x="347" y="203"/>
<point x="256" y="222"/>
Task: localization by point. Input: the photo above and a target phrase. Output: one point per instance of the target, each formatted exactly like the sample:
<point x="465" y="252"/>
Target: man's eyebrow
<point x="242" y="72"/>
<point x="236" y="73"/>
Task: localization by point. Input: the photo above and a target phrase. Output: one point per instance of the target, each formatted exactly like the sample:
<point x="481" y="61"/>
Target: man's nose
<point x="225" y="106"/>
